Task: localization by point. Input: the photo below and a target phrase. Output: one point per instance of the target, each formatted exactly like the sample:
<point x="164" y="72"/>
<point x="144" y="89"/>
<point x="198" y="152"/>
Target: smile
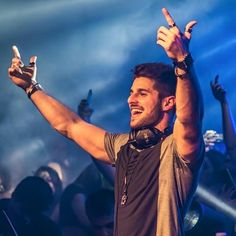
<point x="136" y="111"/>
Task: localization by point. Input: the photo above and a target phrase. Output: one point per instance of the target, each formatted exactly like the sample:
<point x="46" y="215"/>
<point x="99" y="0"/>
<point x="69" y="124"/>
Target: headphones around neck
<point x="146" y="137"/>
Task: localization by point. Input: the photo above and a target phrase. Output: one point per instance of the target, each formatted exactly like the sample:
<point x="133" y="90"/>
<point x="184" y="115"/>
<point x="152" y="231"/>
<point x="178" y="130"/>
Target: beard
<point x="151" y="119"/>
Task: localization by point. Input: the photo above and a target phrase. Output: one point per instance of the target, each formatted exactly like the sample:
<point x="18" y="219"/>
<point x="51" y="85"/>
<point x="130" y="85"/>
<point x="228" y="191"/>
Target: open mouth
<point x="136" y="111"/>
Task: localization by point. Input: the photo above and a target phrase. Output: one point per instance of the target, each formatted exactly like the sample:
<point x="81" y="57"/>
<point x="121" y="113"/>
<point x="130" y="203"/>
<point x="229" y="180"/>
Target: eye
<point x="143" y="94"/>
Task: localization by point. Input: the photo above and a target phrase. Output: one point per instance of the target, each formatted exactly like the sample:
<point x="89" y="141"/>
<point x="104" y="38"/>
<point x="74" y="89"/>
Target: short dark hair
<point x="34" y="194"/>
<point x="162" y="74"/>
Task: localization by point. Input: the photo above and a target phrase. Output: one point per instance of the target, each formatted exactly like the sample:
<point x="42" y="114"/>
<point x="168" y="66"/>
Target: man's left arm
<point x="189" y="105"/>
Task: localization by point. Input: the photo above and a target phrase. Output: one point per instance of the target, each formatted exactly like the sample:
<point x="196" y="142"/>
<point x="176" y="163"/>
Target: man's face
<point x="144" y="103"/>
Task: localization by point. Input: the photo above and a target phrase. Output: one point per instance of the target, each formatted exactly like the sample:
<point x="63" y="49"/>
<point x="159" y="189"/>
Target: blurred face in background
<point x="46" y="176"/>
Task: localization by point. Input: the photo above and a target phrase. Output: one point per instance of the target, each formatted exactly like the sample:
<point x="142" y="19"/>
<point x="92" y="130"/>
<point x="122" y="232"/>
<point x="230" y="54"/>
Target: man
<point x="156" y="172"/>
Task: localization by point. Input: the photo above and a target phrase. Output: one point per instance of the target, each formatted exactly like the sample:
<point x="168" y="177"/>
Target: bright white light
<point x="210" y="199"/>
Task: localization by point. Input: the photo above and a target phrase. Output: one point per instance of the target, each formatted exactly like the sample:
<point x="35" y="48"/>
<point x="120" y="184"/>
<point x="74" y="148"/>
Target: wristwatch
<point x="33" y="88"/>
<point x="183" y="65"/>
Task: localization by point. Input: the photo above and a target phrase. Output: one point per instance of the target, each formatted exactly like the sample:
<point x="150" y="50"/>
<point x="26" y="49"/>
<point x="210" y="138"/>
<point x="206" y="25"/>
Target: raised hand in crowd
<point x="228" y="123"/>
<point x="217" y="90"/>
<point x="85" y="112"/>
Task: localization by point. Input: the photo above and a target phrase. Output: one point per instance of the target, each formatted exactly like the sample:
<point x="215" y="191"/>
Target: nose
<point x="132" y="98"/>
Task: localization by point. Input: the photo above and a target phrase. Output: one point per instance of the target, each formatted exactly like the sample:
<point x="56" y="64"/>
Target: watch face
<point x="185" y="64"/>
<point x="33" y="89"/>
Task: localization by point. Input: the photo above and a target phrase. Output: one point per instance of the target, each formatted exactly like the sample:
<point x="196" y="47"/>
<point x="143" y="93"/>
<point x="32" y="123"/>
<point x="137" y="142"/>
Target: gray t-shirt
<point x="159" y="190"/>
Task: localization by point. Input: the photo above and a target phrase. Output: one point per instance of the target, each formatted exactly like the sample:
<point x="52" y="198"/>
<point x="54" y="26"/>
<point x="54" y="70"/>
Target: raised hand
<point x="84" y="110"/>
<point x="218" y="92"/>
<point x="21" y="75"/>
<point x="174" y="42"/>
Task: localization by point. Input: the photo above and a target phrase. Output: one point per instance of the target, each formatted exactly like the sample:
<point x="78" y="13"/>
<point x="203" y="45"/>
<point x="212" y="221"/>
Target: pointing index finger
<point x="16" y="52"/>
<point x="168" y="17"/>
<point x="89" y="96"/>
<point x="216" y="79"/>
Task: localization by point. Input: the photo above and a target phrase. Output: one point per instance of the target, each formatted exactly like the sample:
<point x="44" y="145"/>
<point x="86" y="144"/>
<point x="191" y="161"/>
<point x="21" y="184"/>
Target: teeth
<point x="135" y="111"/>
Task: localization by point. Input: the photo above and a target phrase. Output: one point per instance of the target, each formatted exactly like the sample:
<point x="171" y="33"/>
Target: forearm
<point x="189" y="112"/>
<point x="229" y="130"/>
<point x="58" y="115"/>
<point x="189" y="103"/>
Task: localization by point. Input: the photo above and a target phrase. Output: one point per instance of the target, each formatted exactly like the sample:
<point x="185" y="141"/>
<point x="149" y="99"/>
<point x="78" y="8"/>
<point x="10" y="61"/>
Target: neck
<point x="167" y="121"/>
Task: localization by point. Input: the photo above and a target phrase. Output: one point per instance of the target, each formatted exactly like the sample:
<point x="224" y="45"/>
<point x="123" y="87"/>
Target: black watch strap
<point x="33" y="89"/>
<point x="185" y="64"/>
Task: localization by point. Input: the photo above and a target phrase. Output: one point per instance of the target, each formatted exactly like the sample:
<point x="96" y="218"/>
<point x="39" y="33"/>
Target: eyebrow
<point x="141" y="90"/>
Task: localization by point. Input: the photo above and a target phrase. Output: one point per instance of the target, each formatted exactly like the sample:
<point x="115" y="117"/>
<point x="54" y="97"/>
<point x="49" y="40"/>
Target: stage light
<point x="193" y="216"/>
<point x="205" y="221"/>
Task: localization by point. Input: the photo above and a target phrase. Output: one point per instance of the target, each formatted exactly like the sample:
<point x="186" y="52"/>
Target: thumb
<point x="33" y="60"/>
<point x="189" y="28"/>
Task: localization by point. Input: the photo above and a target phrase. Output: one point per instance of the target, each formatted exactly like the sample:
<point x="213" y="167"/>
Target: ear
<point x="168" y="103"/>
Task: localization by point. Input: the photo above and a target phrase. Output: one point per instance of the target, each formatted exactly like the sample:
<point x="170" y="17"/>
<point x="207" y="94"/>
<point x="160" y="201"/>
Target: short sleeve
<point x="113" y="144"/>
<point x="197" y="161"/>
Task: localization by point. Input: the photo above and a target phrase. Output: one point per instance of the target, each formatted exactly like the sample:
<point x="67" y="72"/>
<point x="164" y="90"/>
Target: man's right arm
<point x="60" y="117"/>
<point x="69" y="124"/>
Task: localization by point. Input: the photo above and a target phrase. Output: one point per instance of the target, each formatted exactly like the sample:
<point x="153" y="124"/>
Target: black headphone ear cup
<point x="145" y="137"/>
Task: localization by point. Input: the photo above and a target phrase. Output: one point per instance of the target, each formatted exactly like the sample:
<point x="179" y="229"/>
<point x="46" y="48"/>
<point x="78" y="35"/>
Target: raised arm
<point x="189" y="106"/>
<point x="229" y="130"/>
<point x="85" y="112"/>
<point x="60" y="117"/>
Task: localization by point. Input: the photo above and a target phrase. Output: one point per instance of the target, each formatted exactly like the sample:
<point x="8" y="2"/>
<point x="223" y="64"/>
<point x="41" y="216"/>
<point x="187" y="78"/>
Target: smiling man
<point x="157" y="163"/>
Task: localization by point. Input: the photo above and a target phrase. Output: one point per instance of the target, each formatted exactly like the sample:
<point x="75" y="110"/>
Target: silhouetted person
<point x="24" y="212"/>
<point x="73" y="218"/>
<point x="228" y="123"/>
<point x="52" y="178"/>
<point x="97" y="168"/>
<point x="100" y="211"/>
<point x="219" y="174"/>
